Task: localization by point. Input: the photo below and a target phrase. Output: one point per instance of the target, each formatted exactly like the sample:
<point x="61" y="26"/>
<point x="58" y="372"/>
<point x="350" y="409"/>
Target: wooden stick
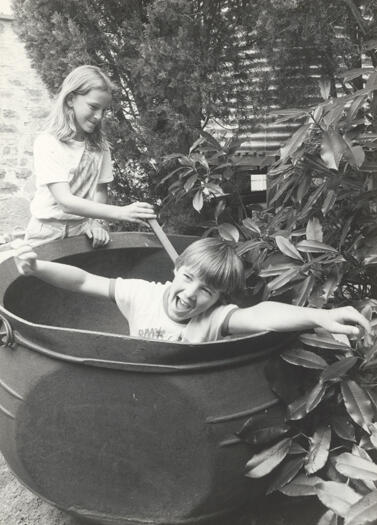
<point x="160" y="234"/>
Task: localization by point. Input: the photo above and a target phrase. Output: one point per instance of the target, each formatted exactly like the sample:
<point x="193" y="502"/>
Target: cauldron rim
<point x="158" y="342"/>
<point x="43" y="338"/>
<point x="57" y="249"/>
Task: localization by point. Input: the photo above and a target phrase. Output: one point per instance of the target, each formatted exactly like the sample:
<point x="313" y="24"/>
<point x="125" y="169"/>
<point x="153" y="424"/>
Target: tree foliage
<point x="166" y="56"/>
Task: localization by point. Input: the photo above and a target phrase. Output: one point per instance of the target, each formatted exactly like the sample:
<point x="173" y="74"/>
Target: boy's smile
<point x="188" y="296"/>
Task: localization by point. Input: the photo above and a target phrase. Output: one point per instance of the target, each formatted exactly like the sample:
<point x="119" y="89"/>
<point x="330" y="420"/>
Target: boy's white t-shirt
<point x="72" y="162"/>
<point x="141" y="302"/>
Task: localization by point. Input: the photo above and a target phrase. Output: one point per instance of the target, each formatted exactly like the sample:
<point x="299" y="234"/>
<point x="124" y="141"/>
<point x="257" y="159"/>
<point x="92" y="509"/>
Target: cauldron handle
<point x="160" y="234"/>
<point x="6" y="332"/>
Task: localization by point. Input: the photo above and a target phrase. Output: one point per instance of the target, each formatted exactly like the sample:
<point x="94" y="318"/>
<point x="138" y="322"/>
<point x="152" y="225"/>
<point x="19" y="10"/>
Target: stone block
<point x="14" y="213"/>
<point x="9" y="113"/>
<point x="23" y="173"/>
<point x="7" y="128"/>
<point x="7" y="188"/>
<point x="15" y="82"/>
<point x="39" y="113"/>
<point x="9" y="151"/>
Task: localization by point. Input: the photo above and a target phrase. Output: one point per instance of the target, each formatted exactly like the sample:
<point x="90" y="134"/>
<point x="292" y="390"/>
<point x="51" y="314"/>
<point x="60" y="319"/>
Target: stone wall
<point x="24" y="104"/>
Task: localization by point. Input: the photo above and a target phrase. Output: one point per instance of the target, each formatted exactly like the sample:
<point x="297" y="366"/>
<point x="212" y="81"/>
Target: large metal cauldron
<point x="116" y="429"/>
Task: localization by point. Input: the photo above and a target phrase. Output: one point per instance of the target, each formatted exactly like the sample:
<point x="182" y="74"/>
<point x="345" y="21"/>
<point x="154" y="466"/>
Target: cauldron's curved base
<point x="231" y="516"/>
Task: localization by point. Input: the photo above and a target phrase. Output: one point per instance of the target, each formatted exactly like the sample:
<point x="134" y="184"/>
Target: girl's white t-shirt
<point x="71" y="162"/>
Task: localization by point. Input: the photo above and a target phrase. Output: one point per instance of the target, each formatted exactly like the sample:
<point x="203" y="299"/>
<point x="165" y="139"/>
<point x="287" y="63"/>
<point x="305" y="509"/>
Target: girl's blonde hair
<point x="80" y="81"/>
<point x="215" y="262"/>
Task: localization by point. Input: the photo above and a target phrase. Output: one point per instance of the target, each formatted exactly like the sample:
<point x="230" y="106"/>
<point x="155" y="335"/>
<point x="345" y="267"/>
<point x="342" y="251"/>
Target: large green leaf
<point x="350" y="74"/>
<point x="328" y="202"/>
<point x="251" y="225"/>
<point x="338" y="370"/>
<point x="302" y="485"/>
<point x="314" y="230"/>
<point x="190" y="182"/>
<point x="281" y="190"/>
<point x="358" y="404"/>
<point x="286" y="473"/>
<point x="319" y="449"/>
<point x="276" y="269"/>
<point x="300" y="357"/>
<point x="262" y="429"/>
<point x="343" y="427"/>
<point x="229" y="232"/>
<point x="287" y="248"/>
<point x="315" y="396"/>
<point x="294" y="142"/>
<point x="328" y="518"/>
<point x="332" y="116"/>
<point x="283" y="279"/>
<point x="364" y="511"/>
<point x="264" y="462"/>
<point x="325" y="88"/>
<point x="314" y="247"/>
<point x="198" y="201"/>
<point x="297" y="409"/>
<point x="332" y="148"/>
<point x="305" y="404"/>
<point x="338" y="497"/>
<point x="322" y="341"/>
<point x="303" y="291"/>
<point x="312" y="200"/>
<point x="357" y="450"/>
<point x="356" y="467"/>
<point x="353" y="153"/>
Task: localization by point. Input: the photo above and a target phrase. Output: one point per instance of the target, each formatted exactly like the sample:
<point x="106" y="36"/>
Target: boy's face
<point x="189" y="296"/>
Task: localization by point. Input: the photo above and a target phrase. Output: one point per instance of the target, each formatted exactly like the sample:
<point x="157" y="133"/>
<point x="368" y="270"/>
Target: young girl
<point x="73" y="166"/>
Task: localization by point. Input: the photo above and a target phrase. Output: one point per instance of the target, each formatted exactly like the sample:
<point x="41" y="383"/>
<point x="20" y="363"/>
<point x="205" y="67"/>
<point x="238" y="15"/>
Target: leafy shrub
<point x="315" y="244"/>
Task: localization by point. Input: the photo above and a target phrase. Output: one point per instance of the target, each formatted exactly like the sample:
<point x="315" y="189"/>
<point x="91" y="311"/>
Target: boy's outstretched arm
<point x="280" y="317"/>
<point x="60" y="275"/>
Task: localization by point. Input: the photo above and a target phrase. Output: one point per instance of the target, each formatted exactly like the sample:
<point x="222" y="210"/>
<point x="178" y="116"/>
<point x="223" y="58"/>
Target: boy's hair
<point x="215" y="262"/>
<point x="61" y="119"/>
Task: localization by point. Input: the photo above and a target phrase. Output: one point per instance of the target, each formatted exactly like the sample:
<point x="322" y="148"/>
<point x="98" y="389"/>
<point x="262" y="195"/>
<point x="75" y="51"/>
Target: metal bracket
<point x="6" y="332"/>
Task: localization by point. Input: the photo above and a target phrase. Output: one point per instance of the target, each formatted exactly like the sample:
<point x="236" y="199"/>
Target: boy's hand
<point x="342" y="321"/>
<point x="137" y="211"/>
<point x="98" y="235"/>
<point x="25" y="257"/>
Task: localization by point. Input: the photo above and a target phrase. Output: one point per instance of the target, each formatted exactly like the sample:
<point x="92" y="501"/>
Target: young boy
<point x="191" y="308"/>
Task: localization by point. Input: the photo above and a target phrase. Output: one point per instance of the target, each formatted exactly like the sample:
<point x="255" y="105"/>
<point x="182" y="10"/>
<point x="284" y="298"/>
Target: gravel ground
<point x="18" y="506"/>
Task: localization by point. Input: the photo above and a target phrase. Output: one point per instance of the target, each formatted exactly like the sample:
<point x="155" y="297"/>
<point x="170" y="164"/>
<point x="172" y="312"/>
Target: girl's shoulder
<point x="46" y="139"/>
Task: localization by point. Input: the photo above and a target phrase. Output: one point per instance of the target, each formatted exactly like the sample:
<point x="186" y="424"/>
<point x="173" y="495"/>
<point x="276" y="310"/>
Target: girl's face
<point x="88" y="110"/>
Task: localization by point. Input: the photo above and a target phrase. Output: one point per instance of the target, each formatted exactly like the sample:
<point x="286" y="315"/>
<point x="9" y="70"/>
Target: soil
<point x="18" y="506"/>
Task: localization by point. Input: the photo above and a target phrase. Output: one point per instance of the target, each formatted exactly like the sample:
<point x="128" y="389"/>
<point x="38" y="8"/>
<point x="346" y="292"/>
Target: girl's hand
<point x="137" y="211"/>
<point x="98" y="234"/>
<point x="343" y="320"/>
<point x="25" y="257"/>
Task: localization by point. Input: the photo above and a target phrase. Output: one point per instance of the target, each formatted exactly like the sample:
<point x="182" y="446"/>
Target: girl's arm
<point x="97" y="232"/>
<point x="60" y="275"/>
<point x="280" y="317"/>
<point x="135" y="212"/>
